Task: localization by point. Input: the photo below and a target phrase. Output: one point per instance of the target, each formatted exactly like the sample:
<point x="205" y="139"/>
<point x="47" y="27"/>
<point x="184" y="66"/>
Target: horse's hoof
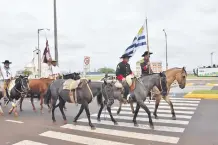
<point x="65" y="121"/>
<point x="98" y="119"/>
<point x="93" y="128"/>
<point x="156" y="117"/>
<point x="136" y="124"/>
<point x="1" y="114"/>
<point x="74" y="122"/>
<point x="115" y="123"/>
<point x="21" y="110"/>
<point x="174" y="117"/>
<point x="151" y="126"/>
<point x="54" y="122"/>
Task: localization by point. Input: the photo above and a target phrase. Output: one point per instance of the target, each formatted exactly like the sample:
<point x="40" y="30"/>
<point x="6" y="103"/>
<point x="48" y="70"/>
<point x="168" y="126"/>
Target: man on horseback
<point x="123" y="70"/>
<point x="7" y="77"/>
<point x="55" y="70"/>
<point x="145" y="65"/>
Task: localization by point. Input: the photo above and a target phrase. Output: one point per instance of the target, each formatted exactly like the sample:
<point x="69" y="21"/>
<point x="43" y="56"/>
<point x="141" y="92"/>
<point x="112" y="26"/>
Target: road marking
<point x="144" y="113"/>
<point x="182" y="101"/>
<point x="79" y="139"/>
<point x="29" y="142"/>
<point x="14" y="121"/>
<point x="159" y="111"/>
<point x="173" y="98"/>
<point x="164" y="103"/>
<point x="141" y="126"/>
<point x="168" y="107"/>
<point x="146" y="119"/>
<point x="134" y="135"/>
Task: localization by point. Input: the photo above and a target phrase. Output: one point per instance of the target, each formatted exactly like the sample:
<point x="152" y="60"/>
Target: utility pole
<point x="166" y="48"/>
<point x="55" y="34"/>
<point x="211" y="58"/>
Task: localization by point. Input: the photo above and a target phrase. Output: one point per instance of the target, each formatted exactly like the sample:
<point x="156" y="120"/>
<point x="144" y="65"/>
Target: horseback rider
<point x="123" y="69"/>
<point x="6" y="74"/>
<point x="55" y="70"/>
<point x="145" y="65"/>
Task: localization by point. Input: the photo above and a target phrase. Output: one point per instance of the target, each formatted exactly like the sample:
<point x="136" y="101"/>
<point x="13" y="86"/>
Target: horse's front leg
<point x="171" y="107"/>
<point x="88" y="114"/>
<point x="41" y="102"/>
<point x="100" y="110"/>
<point x="109" y="104"/>
<point x="21" y="102"/>
<point x="79" y="113"/>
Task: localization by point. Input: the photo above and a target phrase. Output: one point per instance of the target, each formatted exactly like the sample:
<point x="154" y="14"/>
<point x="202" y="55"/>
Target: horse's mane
<point x="176" y="68"/>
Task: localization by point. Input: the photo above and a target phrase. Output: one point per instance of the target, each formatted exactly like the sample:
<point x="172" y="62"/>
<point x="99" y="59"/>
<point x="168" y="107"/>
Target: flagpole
<point x="149" y="68"/>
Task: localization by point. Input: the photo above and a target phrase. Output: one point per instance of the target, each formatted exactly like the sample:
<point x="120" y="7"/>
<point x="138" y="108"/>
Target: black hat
<point x="146" y="53"/>
<point x="7" y="61"/>
<point x="125" y="56"/>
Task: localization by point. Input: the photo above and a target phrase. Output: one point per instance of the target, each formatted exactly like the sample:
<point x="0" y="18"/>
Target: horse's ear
<point x="161" y="74"/>
<point x="105" y="82"/>
<point x="89" y="81"/>
<point x="183" y="68"/>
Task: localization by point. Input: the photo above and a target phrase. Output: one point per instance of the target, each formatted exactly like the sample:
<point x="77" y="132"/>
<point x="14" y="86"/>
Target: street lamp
<point x="55" y="34"/>
<point x="39" y="53"/>
<point x="211" y="58"/>
<point x="166" y="48"/>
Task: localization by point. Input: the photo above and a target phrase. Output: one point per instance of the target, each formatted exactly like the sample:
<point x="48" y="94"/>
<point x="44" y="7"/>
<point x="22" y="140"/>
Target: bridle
<point x="23" y="88"/>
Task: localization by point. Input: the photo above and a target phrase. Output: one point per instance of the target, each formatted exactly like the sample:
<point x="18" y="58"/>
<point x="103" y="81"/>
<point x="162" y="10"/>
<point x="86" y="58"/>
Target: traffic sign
<point x="86" y="60"/>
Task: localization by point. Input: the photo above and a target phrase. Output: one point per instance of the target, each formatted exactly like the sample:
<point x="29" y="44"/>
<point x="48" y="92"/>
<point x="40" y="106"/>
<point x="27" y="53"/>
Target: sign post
<point x="86" y="65"/>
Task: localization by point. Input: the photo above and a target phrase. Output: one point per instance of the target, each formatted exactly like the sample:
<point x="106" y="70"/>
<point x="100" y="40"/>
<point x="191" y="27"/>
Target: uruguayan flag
<point x="138" y="41"/>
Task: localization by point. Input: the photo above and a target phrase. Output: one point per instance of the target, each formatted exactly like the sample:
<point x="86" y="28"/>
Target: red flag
<point x="46" y="54"/>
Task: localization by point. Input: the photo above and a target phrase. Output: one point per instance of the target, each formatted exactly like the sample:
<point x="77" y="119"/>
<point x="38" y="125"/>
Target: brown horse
<point x="178" y="74"/>
<point x="40" y="87"/>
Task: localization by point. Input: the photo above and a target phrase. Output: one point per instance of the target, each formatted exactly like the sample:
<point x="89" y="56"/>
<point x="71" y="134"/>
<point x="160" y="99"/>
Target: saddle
<point x="71" y="85"/>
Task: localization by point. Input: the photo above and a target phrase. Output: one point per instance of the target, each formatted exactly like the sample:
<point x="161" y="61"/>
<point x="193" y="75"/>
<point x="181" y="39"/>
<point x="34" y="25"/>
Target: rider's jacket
<point x="145" y="68"/>
<point x="123" y="70"/>
<point x="6" y="72"/>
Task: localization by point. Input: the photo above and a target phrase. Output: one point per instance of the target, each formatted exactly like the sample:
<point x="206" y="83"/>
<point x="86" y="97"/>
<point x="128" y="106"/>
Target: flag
<point x="46" y="54"/>
<point x="139" y="40"/>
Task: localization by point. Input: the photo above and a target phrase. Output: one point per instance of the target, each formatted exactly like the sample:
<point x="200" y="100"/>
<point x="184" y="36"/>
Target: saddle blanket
<point x="70" y="84"/>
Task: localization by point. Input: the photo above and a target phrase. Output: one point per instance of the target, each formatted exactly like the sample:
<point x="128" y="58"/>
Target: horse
<point x="18" y="89"/>
<point x="39" y="87"/>
<point x="178" y="74"/>
<point x="140" y="88"/>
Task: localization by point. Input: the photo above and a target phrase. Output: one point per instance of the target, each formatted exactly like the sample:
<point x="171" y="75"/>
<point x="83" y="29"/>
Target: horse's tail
<point x="99" y="98"/>
<point x="47" y="96"/>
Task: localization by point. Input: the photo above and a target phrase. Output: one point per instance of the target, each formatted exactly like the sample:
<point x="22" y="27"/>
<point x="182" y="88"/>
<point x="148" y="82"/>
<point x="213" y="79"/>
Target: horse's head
<point x="181" y="78"/>
<point x="163" y="83"/>
<point x="22" y="83"/>
<point x="76" y="76"/>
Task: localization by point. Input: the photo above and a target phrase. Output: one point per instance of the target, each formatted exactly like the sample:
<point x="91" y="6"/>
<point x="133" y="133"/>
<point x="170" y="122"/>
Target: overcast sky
<point x="103" y="29"/>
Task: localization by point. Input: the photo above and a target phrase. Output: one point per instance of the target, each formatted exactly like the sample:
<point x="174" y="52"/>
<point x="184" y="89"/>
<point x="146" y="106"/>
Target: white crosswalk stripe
<point x="165" y="129"/>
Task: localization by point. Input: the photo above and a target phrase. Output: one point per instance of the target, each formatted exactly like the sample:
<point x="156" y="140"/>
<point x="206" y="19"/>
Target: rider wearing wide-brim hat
<point x="6" y="73"/>
<point x="145" y="65"/>
<point x="55" y="70"/>
<point x="123" y="69"/>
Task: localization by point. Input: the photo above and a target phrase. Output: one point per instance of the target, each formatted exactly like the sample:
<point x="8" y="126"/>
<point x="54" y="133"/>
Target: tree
<point x="27" y="72"/>
<point x="106" y="70"/>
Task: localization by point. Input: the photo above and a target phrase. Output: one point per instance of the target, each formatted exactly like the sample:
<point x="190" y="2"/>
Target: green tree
<point x="106" y="70"/>
<point x="27" y="72"/>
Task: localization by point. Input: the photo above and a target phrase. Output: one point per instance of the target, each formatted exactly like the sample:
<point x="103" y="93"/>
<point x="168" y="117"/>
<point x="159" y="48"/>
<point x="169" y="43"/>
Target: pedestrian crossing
<point x="166" y="130"/>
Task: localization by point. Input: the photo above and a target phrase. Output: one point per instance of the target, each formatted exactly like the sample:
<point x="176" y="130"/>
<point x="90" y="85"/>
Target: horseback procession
<point x="127" y="88"/>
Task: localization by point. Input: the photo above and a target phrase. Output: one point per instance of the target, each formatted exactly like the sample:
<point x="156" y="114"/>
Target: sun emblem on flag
<point x="141" y="30"/>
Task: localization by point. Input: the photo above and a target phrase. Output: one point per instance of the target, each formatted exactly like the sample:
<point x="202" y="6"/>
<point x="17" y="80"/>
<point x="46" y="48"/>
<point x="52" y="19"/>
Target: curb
<point x="202" y="96"/>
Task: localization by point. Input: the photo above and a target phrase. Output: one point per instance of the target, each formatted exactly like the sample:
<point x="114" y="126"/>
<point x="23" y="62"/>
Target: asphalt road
<point x="196" y="124"/>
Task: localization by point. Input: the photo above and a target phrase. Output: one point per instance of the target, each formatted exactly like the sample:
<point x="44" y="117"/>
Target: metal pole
<point x="39" y="57"/>
<point x="211" y="58"/>
<point x="55" y="34"/>
<point x="166" y="49"/>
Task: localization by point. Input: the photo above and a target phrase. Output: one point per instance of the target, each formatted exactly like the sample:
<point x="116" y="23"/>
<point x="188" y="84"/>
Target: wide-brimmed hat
<point x="125" y="56"/>
<point x="54" y="61"/>
<point x="146" y="53"/>
<point x="7" y="61"/>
